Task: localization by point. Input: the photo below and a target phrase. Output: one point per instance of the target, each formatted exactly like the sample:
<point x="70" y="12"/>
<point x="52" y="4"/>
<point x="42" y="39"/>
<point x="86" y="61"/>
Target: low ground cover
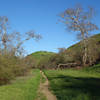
<point x="72" y="84"/>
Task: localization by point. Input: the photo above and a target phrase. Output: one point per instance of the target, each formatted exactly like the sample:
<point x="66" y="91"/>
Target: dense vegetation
<point x="11" y="67"/>
<point x="23" y="88"/>
<point x="72" y="84"/>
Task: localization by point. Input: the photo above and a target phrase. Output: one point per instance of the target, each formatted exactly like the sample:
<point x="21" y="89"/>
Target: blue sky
<point x="41" y="16"/>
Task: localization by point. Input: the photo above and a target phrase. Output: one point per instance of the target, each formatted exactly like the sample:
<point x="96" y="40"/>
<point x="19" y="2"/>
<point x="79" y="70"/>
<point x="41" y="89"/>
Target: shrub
<point x="10" y="67"/>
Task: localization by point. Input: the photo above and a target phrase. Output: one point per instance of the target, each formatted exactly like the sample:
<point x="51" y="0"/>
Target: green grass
<point x="23" y="88"/>
<point x="71" y="84"/>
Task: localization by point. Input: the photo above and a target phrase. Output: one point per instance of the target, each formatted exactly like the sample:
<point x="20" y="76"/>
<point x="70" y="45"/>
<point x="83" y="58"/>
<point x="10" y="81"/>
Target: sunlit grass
<point x="23" y="88"/>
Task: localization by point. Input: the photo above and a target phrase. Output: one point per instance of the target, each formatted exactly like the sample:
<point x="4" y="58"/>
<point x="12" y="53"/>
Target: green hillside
<point x="95" y="37"/>
<point x="41" y="54"/>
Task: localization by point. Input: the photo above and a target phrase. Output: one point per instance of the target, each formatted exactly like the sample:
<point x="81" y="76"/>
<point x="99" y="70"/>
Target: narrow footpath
<point x="44" y="89"/>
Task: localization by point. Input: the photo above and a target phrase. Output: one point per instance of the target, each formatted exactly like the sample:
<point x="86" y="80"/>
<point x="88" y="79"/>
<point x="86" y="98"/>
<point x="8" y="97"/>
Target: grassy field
<point x="23" y="88"/>
<point x="72" y="84"/>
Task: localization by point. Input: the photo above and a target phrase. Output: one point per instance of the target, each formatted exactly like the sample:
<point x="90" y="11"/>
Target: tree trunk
<point x="85" y="55"/>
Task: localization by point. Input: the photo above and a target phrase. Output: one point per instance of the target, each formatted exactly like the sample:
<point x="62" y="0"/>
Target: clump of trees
<point x="12" y="61"/>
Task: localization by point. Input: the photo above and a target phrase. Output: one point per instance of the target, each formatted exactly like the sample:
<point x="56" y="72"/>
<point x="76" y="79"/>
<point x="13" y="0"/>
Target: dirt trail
<point x="44" y="89"/>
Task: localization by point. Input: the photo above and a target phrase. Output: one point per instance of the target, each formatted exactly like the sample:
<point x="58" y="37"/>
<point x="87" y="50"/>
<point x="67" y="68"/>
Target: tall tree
<point x="80" y="20"/>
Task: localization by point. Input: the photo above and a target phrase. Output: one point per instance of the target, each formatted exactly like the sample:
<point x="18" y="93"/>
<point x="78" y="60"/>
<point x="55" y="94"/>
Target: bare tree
<point x="12" y="41"/>
<point x="79" y="20"/>
<point x="3" y="31"/>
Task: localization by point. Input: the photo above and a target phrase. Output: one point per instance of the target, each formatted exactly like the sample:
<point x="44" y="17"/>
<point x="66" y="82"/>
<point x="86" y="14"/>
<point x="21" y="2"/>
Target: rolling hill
<point x="41" y="54"/>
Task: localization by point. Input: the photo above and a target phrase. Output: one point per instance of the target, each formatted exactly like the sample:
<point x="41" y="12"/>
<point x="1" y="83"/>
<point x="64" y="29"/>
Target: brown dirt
<point x="44" y="89"/>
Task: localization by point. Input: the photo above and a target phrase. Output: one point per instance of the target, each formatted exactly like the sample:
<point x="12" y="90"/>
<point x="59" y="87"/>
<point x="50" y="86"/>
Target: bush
<point x="10" y="67"/>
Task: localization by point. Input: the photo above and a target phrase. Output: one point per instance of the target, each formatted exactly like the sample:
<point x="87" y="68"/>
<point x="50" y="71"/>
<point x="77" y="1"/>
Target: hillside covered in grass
<point x="78" y="45"/>
<point x="41" y="54"/>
